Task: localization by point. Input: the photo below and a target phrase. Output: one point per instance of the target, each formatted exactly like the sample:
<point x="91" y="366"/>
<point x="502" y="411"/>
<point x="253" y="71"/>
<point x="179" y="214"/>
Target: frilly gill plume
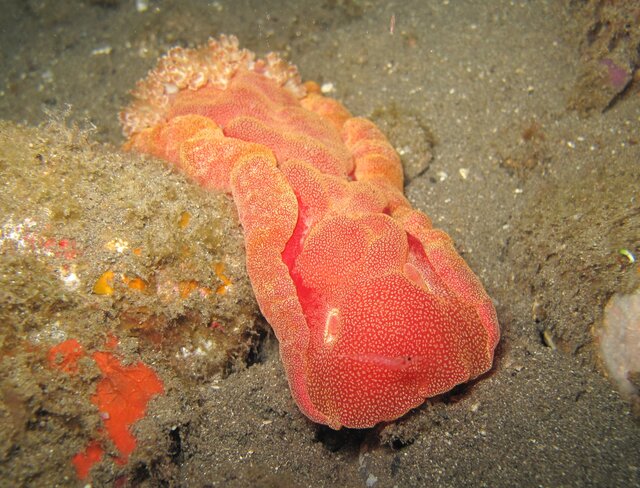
<point x="192" y="68"/>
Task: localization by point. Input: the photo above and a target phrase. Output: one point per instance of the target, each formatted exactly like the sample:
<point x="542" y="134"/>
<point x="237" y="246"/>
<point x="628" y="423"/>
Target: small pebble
<point x="327" y="88"/>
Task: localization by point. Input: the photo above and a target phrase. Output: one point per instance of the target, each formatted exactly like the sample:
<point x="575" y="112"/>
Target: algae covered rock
<point x="122" y="257"/>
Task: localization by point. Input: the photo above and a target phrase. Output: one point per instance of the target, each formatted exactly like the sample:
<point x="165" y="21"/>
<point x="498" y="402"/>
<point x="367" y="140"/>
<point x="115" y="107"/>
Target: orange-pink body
<point x="373" y="308"/>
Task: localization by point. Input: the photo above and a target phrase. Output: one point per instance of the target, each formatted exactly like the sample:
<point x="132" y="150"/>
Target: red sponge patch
<point x="65" y="356"/>
<point x="122" y="396"/>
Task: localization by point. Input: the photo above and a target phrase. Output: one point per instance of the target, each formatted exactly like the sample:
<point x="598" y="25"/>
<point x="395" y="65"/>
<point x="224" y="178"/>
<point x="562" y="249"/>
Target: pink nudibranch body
<point x="373" y="308"/>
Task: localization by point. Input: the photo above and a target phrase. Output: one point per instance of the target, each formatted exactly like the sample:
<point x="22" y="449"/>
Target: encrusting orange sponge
<point x="373" y="308"/>
<point x="121" y="396"/>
